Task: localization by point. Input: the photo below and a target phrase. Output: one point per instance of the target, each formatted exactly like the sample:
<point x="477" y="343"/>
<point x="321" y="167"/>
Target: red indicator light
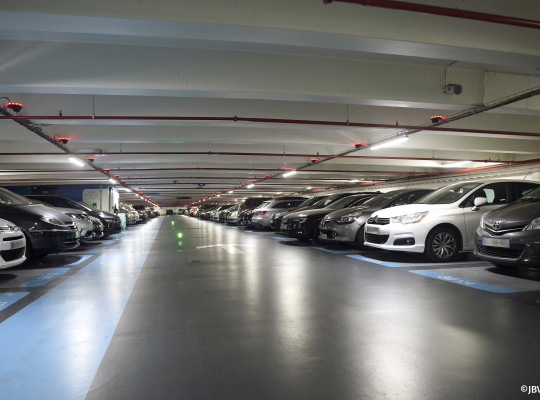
<point x="243" y="184"/>
<point x="437" y="118"/>
<point x="268" y="176"/>
<point x="254" y="180"/>
<point x="108" y="169"/>
<point x="261" y="212"/>
<point x="13" y="106"/>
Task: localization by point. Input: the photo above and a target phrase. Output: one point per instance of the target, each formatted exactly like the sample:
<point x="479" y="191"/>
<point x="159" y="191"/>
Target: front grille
<point x="503" y="231"/>
<point x="499" y="252"/>
<point x="377" y="239"/>
<point x="378" y="221"/>
<point x="10" y="255"/>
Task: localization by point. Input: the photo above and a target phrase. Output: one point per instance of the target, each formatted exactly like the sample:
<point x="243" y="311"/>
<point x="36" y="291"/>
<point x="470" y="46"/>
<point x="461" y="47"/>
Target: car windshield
<point x="382" y="198"/>
<point x="8" y="198"/>
<point x="360" y="201"/>
<point x="448" y="194"/>
<point x="323" y="203"/>
<point x="311" y="201"/>
<point x="532" y="196"/>
<point x="342" y="203"/>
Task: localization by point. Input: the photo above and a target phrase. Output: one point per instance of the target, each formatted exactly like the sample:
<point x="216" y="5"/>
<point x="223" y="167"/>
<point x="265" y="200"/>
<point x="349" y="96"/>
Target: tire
<point x="359" y="240"/>
<point x="442" y="245"/>
<point x="315" y="236"/>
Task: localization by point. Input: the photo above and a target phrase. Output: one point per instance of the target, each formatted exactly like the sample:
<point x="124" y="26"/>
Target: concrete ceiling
<point x="259" y="59"/>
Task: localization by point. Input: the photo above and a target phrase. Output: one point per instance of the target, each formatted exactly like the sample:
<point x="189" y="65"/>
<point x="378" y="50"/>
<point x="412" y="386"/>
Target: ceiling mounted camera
<point x="453" y="88"/>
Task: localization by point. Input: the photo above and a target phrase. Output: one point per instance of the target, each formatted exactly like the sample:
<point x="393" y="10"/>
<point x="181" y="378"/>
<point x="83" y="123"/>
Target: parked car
<point x="98" y="230"/>
<point x="214" y="215"/>
<point x="247" y="204"/>
<point x="444" y="222"/>
<point x="325" y="202"/>
<point x="205" y="210"/>
<point x="144" y="212"/>
<point x="132" y="216"/>
<point x="110" y="221"/>
<point x="510" y="235"/>
<point x="46" y="229"/>
<point x="304" y="225"/>
<point x="12" y="245"/>
<point x="276" y="218"/>
<point x="232" y="216"/>
<point x="80" y="218"/>
<point x="224" y="215"/>
<point x="347" y="225"/>
<point x="263" y="214"/>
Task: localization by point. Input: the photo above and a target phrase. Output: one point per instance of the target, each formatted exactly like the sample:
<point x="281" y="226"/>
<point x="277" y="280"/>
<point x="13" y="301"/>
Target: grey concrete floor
<point x="221" y="313"/>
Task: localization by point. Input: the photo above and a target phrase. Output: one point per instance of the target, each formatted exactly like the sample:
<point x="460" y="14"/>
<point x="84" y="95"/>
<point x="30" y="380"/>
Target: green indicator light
<point x="172" y="223"/>
<point x="180" y="235"/>
<point x="180" y="244"/>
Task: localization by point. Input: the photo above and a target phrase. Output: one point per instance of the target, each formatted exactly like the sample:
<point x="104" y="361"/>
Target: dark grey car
<point x="511" y="235"/>
<point x="347" y="225"/>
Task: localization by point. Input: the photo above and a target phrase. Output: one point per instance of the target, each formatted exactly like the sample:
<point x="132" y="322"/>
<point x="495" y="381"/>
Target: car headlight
<point x="51" y="220"/>
<point x="409" y="218"/>
<point x="535" y="224"/>
<point x="482" y="221"/>
<point x="348" y="218"/>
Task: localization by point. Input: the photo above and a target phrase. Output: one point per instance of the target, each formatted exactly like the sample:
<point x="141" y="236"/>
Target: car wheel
<point x="315" y="235"/>
<point x="442" y="245"/>
<point x="359" y="240"/>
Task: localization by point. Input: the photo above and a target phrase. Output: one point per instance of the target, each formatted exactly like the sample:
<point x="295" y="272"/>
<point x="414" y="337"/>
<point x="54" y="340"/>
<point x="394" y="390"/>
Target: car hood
<point x="409" y="209"/>
<point x="25" y="213"/>
<point x="102" y="214"/>
<point x="317" y="212"/>
<point x="344" y="211"/>
<point x="515" y="214"/>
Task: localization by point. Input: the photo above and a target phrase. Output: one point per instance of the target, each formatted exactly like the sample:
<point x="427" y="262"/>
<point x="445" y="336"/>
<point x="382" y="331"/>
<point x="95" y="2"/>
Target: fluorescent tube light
<point x="76" y="161"/>
<point x="455" y="164"/>
<point x="290" y="173"/>
<point x="390" y="143"/>
<point x="250" y="185"/>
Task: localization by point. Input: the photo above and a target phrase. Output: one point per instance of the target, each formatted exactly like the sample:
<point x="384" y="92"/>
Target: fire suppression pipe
<point x="444" y="11"/>
<point x="288" y="121"/>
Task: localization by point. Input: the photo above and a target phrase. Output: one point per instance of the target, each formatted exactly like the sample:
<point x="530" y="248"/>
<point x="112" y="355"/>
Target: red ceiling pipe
<point x="265" y="120"/>
<point x="444" y="11"/>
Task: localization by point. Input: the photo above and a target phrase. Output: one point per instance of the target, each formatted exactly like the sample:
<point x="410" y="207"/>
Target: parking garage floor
<point x="189" y="309"/>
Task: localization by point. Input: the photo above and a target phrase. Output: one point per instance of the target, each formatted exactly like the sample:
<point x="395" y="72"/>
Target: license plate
<point x="372" y="229"/>
<point x="493" y="242"/>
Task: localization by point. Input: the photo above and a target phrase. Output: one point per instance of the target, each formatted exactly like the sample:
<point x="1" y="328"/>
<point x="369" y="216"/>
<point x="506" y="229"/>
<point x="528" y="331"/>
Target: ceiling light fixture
<point x="290" y="173"/>
<point x="250" y="185"/>
<point x="231" y="191"/>
<point x="455" y="164"/>
<point x="390" y="143"/>
<point x="113" y="181"/>
<point x="76" y="161"/>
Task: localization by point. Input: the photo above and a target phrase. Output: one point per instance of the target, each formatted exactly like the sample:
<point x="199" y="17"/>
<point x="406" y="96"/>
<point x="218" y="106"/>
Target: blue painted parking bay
<point x="56" y="343"/>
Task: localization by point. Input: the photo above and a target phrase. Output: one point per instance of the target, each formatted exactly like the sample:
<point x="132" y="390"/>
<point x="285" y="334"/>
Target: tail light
<point x="245" y="207"/>
<point x="261" y="212"/>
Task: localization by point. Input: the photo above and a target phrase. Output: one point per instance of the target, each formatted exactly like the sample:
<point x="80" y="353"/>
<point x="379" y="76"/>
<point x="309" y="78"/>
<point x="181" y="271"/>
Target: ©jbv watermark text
<point x="530" y="389"/>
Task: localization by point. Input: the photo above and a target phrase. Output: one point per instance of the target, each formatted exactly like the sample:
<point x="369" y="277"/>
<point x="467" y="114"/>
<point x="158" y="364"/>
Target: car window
<point x="409" y="197"/>
<point x="496" y="193"/>
<point x="342" y="203"/>
<point x="524" y="188"/>
<point x="449" y="194"/>
<point x="359" y="201"/>
<point x="8" y="198"/>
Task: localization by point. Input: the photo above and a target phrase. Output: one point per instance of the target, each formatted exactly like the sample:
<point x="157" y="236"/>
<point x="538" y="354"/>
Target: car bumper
<point x="396" y="238"/>
<point x="52" y="241"/>
<point x="519" y="249"/>
<point x="112" y="226"/>
<point x="338" y="233"/>
<point x="12" y="250"/>
<point x="297" y="229"/>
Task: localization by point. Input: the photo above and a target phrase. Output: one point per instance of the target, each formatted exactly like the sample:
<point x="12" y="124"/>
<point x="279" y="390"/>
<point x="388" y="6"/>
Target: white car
<point x="442" y="223"/>
<point x="12" y="245"/>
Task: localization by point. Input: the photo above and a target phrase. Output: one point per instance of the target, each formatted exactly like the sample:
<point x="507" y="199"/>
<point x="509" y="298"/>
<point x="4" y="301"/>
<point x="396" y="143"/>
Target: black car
<point x="111" y="222"/>
<point x="324" y="202"/>
<point x="46" y="229"/>
<point x="304" y="225"/>
<point x="275" y="221"/>
<point x="510" y="236"/>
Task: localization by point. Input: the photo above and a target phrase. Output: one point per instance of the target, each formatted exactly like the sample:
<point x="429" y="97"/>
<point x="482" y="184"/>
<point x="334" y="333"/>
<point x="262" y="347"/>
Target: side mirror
<point x="478" y="202"/>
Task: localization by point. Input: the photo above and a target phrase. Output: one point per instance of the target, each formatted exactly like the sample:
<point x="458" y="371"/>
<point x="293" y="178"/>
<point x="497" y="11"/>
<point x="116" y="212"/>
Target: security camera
<point x="453" y="88"/>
